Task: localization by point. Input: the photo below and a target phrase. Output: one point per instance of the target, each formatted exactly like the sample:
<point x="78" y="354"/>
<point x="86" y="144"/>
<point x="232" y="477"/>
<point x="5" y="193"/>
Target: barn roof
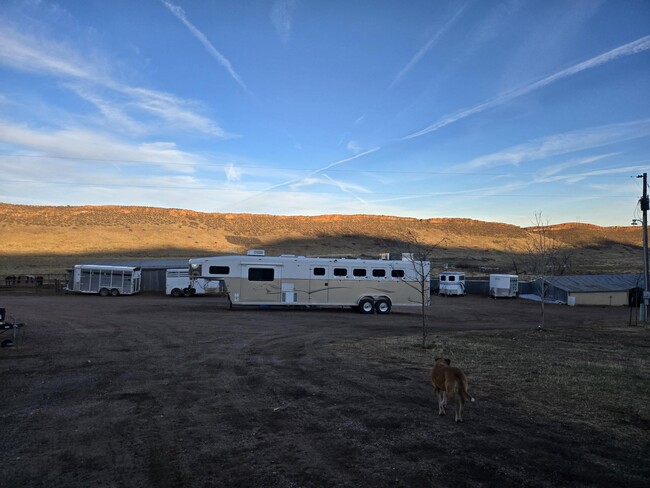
<point x="142" y="263"/>
<point x="596" y="283"/>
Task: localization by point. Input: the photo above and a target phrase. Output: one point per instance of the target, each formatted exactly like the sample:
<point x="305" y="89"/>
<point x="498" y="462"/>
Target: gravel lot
<point x="158" y="391"/>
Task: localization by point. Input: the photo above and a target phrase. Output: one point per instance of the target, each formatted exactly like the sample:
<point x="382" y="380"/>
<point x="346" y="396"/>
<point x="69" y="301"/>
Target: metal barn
<point x="592" y="289"/>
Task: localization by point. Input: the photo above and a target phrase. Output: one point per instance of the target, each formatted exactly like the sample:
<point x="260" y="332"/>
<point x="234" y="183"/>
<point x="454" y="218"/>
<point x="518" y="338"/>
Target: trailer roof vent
<point x="255" y="252"/>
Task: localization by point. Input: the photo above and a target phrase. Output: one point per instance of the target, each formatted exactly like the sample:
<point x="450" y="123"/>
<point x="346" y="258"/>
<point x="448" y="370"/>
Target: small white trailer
<point x="105" y="280"/>
<point x="369" y="285"/>
<point x="452" y="283"/>
<point x="178" y="284"/>
<point x="504" y="285"/>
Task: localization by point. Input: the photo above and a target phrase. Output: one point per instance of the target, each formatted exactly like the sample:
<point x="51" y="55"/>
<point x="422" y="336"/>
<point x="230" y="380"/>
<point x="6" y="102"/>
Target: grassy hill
<point x="45" y="239"/>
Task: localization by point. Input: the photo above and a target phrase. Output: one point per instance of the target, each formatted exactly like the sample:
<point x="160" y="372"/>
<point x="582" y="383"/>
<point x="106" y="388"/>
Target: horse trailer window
<point x="452" y="278"/>
<point x="341" y="272"/>
<point x="220" y="270"/>
<point x="397" y="273"/>
<point x="261" y="274"/>
<point x="359" y="272"/>
<point x="379" y="273"/>
<point x="319" y="271"/>
<point x="443" y="278"/>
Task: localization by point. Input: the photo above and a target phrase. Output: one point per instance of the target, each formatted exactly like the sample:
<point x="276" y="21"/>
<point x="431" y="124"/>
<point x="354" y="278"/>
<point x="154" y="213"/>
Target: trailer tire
<point x="115" y="292"/>
<point x="104" y="292"/>
<point x="366" y="306"/>
<point x="382" y="306"/>
<point x="176" y="292"/>
<point x="187" y="292"/>
<point x="7" y="343"/>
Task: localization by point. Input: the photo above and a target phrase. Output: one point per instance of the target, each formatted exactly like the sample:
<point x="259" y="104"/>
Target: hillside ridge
<point x="69" y="232"/>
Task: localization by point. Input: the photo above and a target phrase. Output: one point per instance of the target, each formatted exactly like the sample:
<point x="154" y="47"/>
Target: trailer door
<point x="260" y="284"/>
<point x="319" y="277"/>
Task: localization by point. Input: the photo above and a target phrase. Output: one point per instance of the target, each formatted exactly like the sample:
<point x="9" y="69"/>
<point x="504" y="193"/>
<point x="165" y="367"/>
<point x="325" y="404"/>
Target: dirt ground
<point x="168" y="392"/>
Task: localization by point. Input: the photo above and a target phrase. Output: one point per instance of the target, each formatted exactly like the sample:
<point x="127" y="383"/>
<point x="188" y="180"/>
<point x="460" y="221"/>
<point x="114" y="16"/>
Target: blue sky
<point x="491" y="110"/>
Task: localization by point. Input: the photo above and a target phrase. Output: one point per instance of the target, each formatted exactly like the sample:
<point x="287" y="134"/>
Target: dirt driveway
<point x="155" y="391"/>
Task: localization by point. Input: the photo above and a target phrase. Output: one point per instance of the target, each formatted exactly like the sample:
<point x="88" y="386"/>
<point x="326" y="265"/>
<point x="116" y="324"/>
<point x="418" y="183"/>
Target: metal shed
<point x="593" y="289"/>
<point x="154" y="271"/>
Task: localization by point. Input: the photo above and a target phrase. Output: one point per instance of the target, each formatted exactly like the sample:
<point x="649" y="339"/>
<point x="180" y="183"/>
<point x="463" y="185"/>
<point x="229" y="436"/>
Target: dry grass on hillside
<point x="48" y="239"/>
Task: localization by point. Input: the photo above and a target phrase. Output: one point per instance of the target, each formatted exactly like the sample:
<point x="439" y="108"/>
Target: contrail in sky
<point x="635" y="47"/>
<point x="429" y="44"/>
<point x="179" y="13"/>
<point x="311" y="173"/>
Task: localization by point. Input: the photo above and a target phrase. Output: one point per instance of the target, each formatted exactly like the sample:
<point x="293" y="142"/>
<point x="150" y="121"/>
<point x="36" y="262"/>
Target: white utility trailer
<point x="370" y="285"/>
<point x="452" y="283"/>
<point x="504" y="285"/>
<point x="178" y="284"/>
<point x="105" y="280"/>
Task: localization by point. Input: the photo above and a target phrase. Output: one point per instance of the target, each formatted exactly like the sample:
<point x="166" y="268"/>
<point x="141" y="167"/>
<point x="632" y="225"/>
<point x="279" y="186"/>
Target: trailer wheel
<point x="187" y="292"/>
<point x="366" y="305"/>
<point x="115" y="292"/>
<point x="103" y="292"/>
<point x="7" y="343"/>
<point x="382" y="306"/>
<point x="176" y="292"/>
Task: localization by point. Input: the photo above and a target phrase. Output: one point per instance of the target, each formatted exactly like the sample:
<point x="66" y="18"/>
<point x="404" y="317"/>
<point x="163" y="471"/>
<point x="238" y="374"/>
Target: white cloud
<point x="232" y="172"/>
<point x="353" y="147"/>
<point x="282" y="18"/>
<point x="562" y="143"/>
<point x="80" y="144"/>
<point x="119" y="102"/>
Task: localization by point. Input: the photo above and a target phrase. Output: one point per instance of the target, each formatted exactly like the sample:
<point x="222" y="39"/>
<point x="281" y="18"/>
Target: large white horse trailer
<point x="105" y="280"/>
<point x="370" y="285"/>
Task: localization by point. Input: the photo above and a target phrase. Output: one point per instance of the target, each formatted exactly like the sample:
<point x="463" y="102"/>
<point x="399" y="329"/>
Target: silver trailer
<point x="105" y="280"/>
<point x="503" y="285"/>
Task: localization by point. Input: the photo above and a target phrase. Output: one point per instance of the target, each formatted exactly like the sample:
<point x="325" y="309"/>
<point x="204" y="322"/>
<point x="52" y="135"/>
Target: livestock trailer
<point x="369" y="285"/>
<point x="452" y="283"/>
<point x="178" y="284"/>
<point x="503" y="285"/>
<point x="105" y="280"/>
